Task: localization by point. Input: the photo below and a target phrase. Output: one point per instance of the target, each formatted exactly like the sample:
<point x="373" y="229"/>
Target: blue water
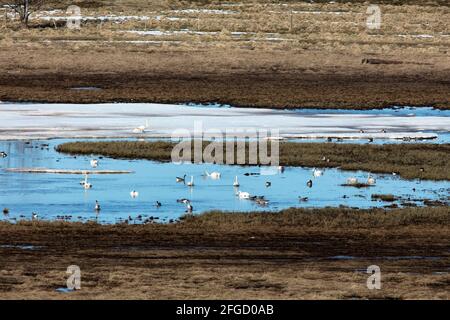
<point x="53" y="195"/>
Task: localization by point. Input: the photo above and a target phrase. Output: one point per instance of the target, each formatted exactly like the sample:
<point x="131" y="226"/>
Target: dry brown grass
<point x="289" y="255"/>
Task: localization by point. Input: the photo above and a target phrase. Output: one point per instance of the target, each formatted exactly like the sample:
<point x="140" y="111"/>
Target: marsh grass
<point x="423" y="161"/>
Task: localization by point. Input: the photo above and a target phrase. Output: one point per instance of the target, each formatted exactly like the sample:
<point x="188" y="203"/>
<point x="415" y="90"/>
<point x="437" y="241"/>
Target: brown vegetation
<point x="315" y="61"/>
<point x="294" y="254"/>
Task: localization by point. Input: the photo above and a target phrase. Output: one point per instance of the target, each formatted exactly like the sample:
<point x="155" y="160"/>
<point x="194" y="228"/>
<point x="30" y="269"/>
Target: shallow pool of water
<point x="54" y="196"/>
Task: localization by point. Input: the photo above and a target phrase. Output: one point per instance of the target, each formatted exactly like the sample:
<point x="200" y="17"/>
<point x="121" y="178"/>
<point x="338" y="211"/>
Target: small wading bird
<point x="94" y="163"/>
<point x="191" y="183"/>
<point x="134" y="194"/>
<point x="97" y="206"/>
<point x="179" y="179"/>
<point x="3" y="154"/>
<point x="236" y="182"/>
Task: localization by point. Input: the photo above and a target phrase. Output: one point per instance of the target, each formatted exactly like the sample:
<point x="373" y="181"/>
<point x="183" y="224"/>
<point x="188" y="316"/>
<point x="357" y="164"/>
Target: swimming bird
<point x="134" y="194"/>
<point x="303" y="199"/>
<point x="97" y="206"/>
<point x="243" y="195"/>
<point x="3" y="154"/>
<point x="281" y="169"/>
<point x="268" y="184"/>
<point x="34" y="216"/>
<point x="213" y="175"/>
<point x="317" y="173"/>
<point x="236" y="182"/>
<point x="179" y="179"/>
<point x="352" y="180"/>
<point x="371" y="180"/>
<point x="262" y="202"/>
<point x="191" y="183"/>
<point x="94" y="163"/>
<point x="184" y="200"/>
<point x="309" y="183"/>
<point x="5" y="211"/>
<point x="86" y="184"/>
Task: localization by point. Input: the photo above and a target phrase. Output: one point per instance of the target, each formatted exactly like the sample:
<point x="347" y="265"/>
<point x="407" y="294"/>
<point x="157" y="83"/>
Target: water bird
<point x="352" y="180"/>
<point x="371" y="180"/>
<point x="303" y="199"/>
<point x="329" y="139"/>
<point x="281" y="169"/>
<point x="3" y="154"/>
<point x="361" y="131"/>
<point x="213" y="175"/>
<point x="179" y="179"/>
<point x="34" y="216"/>
<point x="309" y="183"/>
<point x="158" y="204"/>
<point x="236" y="182"/>
<point x="317" y="173"/>
<point x="85" y="183"/>
<point x="191" y="183"/>
<point x="268" y="184"/>
<point x="370" y="139"/>
<point x="94" y="163"/>
<point x="5" y="211"/>
<point x="383" y="130"/>
<point x="243" y="195"/>
<point x="183" y="200"/>
<point x="134" y="194"/>
<point x="189" y="208"/>
<point x="97" y="206"/>
<point x="141" y="129"/>
<point x="262" y="202"/>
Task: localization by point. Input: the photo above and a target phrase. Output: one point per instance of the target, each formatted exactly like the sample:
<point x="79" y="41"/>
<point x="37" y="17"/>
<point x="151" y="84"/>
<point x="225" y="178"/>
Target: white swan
<point x="243" y="195"/>
<point x="191" y="183"/>
<point x="94" y="163"/>
<point x="85" y="183"/>
<point x="213" y="175"/>
<point x="371" y="180"/>
<point x="141" y="129"/>
<point x="317" y="173"/>
<point x="236" y="182"/>
<point x="134" y="194"/>
<point x="352" y="180"/>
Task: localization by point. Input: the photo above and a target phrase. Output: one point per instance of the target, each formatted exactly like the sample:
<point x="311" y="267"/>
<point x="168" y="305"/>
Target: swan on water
<point x="191" y="183"/>
<point x="236" y="182"/>
<point x="141" y="129"/>
<point x="243" y="195"/>
<point x="85" y="183"/>
<point x="371" y="180"/>
<point x="134" y="194"/>
<point x="213" y="175"/>
<point x="317" y="173"/>
<point x="352" y="180"/>
<point x="94" y="163"/>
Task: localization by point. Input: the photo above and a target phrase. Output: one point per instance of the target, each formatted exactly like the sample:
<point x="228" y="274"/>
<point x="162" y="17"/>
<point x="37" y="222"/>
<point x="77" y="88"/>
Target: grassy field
<point x="424" y="161"/>
<point x="246" y="53"/>
<point x="294" y="254"/>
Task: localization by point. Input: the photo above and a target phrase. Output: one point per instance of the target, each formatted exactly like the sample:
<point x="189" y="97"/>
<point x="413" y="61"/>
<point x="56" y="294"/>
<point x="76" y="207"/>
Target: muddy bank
<point x="293" y="255"/>
<point x="239" y="77"/>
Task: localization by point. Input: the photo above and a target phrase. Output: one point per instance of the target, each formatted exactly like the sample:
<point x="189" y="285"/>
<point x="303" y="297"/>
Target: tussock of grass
<point x="424" y="161"/>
